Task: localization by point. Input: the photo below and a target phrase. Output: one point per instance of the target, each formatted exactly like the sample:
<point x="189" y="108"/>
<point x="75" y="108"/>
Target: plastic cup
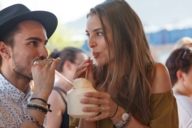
<point x="74" y="106"/>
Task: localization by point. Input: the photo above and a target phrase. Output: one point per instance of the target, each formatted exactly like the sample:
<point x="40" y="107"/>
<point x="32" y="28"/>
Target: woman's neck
<point x="19" y="81"/>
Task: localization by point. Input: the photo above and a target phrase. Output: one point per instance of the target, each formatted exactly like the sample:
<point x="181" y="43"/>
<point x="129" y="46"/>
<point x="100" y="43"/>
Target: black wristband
<point x="36" y="98"/>
<point x="37" y="107"/>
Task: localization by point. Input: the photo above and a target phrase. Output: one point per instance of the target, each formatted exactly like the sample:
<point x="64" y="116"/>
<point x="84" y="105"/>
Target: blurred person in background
<point x="179" y="64"/>
<point x="70" y="57"/>
<point x="184" y="42"/>
<point x="133" y="90"/>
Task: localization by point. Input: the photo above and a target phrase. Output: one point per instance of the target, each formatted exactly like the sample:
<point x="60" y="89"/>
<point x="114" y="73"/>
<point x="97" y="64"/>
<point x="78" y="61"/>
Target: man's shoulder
<point x="2" y="94"/>
<point x="10" y="111"/>
<point x="183" y="101"/>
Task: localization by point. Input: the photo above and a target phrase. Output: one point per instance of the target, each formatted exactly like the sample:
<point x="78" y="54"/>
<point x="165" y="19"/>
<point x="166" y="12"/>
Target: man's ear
<point x="179" y="75"/>
<point x="4" y="50"/>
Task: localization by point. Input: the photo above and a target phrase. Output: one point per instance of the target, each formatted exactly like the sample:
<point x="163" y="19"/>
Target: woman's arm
<point x="54" y="118"/>
<point x="163" y="103"/>
<point x="130" y="122"/>
<point x="161" y="82"/>
<point x="106" y="108"/>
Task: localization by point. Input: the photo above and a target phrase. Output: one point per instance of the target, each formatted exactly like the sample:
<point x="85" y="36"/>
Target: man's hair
<point x="179" y="59"/>
<point x="8" y="38"/>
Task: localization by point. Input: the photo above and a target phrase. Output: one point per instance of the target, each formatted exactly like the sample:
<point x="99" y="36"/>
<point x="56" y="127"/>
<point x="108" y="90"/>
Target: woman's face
<point x="96" y="40"/>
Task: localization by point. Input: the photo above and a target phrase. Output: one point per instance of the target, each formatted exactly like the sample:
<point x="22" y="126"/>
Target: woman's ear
<point x="4" y="50"/>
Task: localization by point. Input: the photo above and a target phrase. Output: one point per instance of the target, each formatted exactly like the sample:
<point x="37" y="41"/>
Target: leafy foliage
<point x="63" y="37"/>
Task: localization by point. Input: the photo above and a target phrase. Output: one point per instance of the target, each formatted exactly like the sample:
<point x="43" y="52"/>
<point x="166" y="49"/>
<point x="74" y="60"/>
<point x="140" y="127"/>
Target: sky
<point x="65" y="10"/>
<point x="153" y="13"/>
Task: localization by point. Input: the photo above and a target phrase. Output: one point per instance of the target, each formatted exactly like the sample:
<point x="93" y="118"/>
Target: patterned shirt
<point x="12" y="105"/>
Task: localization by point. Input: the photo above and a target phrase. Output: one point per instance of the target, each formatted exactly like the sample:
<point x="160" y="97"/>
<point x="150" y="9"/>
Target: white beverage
<point x="74" y="106"/>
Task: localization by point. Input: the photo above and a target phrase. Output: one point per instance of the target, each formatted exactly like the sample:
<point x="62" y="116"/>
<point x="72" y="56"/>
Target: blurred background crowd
<point x="165" y="22"/>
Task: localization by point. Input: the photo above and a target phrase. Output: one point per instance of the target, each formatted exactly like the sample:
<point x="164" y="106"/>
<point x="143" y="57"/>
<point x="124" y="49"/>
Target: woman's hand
<point x="85" y="70"/>
<point x="105" y="106"/>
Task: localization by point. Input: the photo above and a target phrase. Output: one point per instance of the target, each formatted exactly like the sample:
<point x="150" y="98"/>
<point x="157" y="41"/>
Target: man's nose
<point x="43" y="53"/>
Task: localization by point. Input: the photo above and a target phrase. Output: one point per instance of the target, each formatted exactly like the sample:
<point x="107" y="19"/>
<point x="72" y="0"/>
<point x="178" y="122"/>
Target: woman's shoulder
<point x="161" y="80"/>
<point x="56" y="101"/>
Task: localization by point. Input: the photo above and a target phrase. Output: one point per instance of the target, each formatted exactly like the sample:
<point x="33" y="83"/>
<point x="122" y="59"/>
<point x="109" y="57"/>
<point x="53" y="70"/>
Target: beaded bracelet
<point x="33" y="120"/>
<point x="44" y="104"/>
<point x="38" y="107"/>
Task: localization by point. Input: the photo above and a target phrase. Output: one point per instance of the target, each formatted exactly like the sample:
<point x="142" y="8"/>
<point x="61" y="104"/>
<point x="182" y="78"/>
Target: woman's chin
<point x="100" y="63"/>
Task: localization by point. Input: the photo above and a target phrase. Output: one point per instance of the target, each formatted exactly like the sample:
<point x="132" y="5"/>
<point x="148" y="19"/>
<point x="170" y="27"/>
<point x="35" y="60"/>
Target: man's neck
<point x="179" y="88"/>
<point x="19" y="82"/>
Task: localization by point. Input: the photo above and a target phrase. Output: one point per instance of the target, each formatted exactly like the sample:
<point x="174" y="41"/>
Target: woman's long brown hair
<point x="128" y="79"/>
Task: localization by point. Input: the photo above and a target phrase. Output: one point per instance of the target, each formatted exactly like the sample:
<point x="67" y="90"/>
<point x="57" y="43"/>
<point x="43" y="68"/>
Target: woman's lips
<point x="95" y="54"/>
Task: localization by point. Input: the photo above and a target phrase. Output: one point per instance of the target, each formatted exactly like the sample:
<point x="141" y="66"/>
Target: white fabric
<point x="12" y="105"/>
<point x="184" y="105"/>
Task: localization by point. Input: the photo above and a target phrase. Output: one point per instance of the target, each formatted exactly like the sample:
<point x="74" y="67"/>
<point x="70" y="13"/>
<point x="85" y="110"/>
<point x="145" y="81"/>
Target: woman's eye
<point x="100" y="33"/>
<point x="87" y="34"/>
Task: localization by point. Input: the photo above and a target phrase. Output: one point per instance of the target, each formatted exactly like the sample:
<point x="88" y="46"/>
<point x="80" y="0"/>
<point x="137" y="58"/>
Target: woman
<point x="70" y="58"/>
<point x="133" y="90"/>
<point x="179" y="64"/>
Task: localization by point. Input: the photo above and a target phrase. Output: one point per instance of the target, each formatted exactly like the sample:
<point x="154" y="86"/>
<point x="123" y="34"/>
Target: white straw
<point x="65" y="78"/>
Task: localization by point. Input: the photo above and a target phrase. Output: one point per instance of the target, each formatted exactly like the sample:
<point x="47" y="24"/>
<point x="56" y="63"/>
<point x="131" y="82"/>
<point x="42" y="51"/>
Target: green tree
<point x="63" y="37"/>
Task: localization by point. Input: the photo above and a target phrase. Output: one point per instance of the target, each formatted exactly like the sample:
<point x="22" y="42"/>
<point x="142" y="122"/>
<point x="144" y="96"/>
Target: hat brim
<point x="47" y="19"/>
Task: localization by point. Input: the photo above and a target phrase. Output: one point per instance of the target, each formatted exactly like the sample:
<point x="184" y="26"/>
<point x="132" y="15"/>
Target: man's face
<point x="29" y="44"/>
<point x="187" y="82"/>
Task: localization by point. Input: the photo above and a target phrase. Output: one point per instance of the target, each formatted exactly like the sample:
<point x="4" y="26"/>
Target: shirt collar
<point x="10" y="90"/>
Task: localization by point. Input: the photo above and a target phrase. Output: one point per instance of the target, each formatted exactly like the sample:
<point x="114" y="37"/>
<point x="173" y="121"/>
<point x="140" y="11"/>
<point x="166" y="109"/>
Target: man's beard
<point x="22" y="75"/>
<point x="20" y="72"/>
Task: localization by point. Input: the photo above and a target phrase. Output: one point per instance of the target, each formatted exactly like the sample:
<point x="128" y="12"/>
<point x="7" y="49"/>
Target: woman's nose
<point x="92" y="42"/>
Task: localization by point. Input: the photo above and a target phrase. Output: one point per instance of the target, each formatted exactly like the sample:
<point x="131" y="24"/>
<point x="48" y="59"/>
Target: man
<point x="179" y="64"/>
<point x="23" y="36"/>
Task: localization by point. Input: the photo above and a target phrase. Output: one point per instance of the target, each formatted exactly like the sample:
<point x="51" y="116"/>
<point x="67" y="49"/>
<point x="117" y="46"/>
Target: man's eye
<point x="34" y="43"/>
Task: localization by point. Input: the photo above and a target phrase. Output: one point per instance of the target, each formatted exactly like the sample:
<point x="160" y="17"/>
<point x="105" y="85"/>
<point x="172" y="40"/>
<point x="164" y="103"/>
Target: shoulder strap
<point x="60" y="91"/>
<point x="65" y="121"/>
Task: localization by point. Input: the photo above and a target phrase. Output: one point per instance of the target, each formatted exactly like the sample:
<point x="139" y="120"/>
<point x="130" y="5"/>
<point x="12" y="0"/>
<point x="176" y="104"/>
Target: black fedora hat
<point x="14" y="14"/>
